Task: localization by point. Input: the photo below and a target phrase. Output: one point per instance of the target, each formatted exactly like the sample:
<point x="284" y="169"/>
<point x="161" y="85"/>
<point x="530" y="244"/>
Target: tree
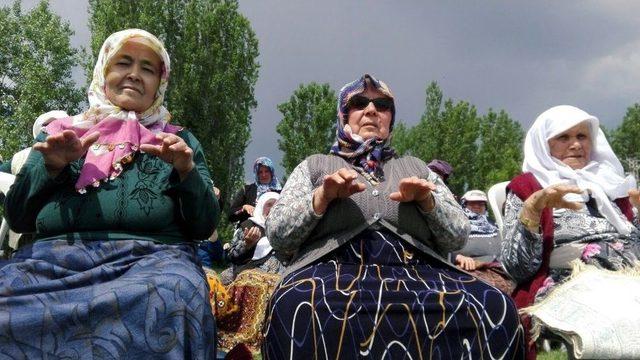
<point x="36" y="59"/>
<point x="448" y="131"/>
<point x="213" y="70"/>
<point x="499" y="156"/>
<point x="625" y="139"/>
<point x="483" y="150"/>
<point x="308" y="123"/>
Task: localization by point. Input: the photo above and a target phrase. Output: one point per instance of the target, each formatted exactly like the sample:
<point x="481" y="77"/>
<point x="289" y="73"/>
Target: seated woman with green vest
<point x="115" y="196"/>
<point x="364" y="234"/>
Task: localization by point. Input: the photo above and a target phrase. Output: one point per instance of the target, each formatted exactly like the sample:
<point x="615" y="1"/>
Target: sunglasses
<point x="360" y="102"/>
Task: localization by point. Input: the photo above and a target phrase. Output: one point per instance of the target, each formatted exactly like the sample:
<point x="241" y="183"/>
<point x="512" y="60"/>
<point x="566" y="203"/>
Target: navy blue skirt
<point x="105" y="299"/>
<point x="380" y="298"/>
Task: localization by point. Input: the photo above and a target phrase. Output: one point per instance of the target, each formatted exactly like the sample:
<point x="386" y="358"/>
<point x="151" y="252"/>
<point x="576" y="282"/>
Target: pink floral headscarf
<point x="121" y="131"/>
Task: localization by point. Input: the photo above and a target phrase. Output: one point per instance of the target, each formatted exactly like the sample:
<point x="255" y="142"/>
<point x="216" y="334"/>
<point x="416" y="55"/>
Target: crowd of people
<point x="361" y="253"/>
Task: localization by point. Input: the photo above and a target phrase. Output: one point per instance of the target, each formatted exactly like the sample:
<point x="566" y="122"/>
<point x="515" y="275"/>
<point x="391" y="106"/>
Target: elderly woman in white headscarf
<point x="116" y="197"/>
<point x="572" y="202"/>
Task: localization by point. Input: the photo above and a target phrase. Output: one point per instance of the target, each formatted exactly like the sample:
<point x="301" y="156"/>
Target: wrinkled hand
<point x="60" y="149"/>
<point x="173" y="151"/>
<point x="248" y="209"/>
<point x="340" y="184"/>
<point x="415" y="189"/>
<point x="465" y="263"/>
<point x="251" y="236"/>
<point x="634" y="198"/>
<point x="550" y="197"/>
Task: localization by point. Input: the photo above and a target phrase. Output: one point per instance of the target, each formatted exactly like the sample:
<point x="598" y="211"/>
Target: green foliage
<point x="499" y="156"/>
<point x="213" y="70"/>
<point x="625" y="140"/>
<point x="36" y="59"/>
<point x="401" y="138"/>
<point x="483" y="150"/>
<point x="308" y="123"/>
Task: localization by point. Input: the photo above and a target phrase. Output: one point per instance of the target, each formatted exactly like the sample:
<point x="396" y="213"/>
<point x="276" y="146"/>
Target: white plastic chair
<point x="497" y="195"/>
<point x="6" y="180"/>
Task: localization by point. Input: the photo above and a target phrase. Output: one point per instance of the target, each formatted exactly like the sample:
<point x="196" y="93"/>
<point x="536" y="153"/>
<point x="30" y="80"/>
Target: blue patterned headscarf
<point x="274" y="185"/>
<point x="364" y="154"/>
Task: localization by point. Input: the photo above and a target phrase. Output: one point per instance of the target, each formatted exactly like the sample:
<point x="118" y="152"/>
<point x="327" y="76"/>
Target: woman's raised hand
<point x="634" y="198"/>
<point x="465" y="263"/>
<point x="60" y="149"/>
<point x="251" y="236"/>
<point x="549" y="197"/>
<point x="415" y="189"/>
<point x="340" y="184"/>
<point x="173" y="151"/>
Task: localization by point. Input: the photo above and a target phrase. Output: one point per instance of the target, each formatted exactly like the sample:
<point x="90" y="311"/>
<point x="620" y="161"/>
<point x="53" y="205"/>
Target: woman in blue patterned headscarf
<point x="245" y="200"/>
<point x="363" y="233"/>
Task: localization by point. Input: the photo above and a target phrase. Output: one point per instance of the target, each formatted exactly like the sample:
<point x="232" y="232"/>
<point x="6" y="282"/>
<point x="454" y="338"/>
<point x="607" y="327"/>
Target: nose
<point x="370" y="109"/>
<point x="575" y="144"/>
<point x="134" y="73"/>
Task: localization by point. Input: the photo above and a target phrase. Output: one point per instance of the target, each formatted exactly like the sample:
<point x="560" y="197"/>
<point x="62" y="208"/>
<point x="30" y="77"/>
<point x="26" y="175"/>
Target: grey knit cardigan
<point x="300" y="236"/>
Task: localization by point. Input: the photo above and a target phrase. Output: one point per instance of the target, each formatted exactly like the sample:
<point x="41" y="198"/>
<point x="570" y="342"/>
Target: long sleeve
<point x="238" y="252"/>
<point x="30" y="192"/>
<point x="521" y="252"/>
<point x="446" y="220"/>
<point x="197" y="208"/>
<point x="292" y="218"/>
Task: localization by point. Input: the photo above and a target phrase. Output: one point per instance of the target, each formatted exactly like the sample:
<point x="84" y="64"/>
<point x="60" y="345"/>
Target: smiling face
<point x="572" y="147"/>
<point x="133" y="76"/>
<point x="370" y="122"/>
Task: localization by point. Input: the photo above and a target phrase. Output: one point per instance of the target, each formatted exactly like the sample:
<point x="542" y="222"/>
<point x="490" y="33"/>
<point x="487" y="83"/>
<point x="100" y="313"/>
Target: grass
<point x="552" y="355"/>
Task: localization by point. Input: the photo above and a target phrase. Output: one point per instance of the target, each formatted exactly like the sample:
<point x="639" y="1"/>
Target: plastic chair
<point x="497" y="195"/>
<point x="6" y="180"/>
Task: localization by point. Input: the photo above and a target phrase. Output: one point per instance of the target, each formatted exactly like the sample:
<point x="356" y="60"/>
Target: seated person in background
<point x="116" y="197"/>
<point x="250" y="247"/>
<point x="364" y="233"/>
<point x="210" y="251"/>
<point x="571" y="203"/>
<point x="244" y="201"/>
<point x="480" y="255"/>
<point x="441" y="168"/>
<point x="484" y="241"/>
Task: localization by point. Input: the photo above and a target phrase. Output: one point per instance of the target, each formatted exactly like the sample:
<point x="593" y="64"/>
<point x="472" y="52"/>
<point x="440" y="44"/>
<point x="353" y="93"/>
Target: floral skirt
<point x="124" y="299"/>
<point x="380" y="298"/>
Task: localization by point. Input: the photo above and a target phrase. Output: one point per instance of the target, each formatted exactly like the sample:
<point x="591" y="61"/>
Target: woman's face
<point x="573" y="147"/>
<point x="267" y="207"/>
<point x="478" y="207"/>
<point x="133" y="77"/>
<point x="264" y="174"/>
<point x="370" y="122"/>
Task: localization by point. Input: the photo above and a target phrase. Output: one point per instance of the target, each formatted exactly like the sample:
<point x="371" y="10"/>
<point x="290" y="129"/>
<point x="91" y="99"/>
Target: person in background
<point x="244" y="201"/>
<point x="441" y="168"/>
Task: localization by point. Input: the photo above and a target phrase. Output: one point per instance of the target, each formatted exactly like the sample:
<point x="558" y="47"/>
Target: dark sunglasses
<point x="360" y="102"/>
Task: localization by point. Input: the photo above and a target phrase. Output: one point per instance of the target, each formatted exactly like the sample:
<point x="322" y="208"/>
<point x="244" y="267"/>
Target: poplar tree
<point x="214" y="68"/>
<point x="36" y="60"/>
<point x="308" y="123"/>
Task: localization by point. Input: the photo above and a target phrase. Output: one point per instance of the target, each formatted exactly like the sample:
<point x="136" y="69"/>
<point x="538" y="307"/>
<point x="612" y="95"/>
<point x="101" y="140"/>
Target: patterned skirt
<point x="123" y="299"/>
<point x="377" y="297"/>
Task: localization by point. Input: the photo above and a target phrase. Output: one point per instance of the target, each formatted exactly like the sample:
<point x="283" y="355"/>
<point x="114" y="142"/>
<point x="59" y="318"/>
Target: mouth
<point x="132" y="88"/>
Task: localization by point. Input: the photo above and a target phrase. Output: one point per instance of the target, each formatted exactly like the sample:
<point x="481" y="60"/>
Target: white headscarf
<point x="263" y="247"/>
<point x="603" y="176"/>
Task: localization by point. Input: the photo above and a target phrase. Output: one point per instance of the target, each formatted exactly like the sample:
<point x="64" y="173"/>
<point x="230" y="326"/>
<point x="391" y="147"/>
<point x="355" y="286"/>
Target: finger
<point x="572" y="205"/>
<point x="357" y="187"/>
<point x="396" y="196"/>
<point x="178" y="147"/>
<point x="155" y="150"/>
<point x="347" y="174"/>
<point x="90" y="140"/>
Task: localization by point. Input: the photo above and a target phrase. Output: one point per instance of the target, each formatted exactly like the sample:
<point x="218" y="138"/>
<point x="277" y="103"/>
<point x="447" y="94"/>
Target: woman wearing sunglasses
<point x="363" y="233"/>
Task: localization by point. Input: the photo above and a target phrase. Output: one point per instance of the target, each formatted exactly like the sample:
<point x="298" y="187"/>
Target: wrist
<point x="530" y="220"/>
<point x="53" y="170"/>
<point x="428" y="203"/>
